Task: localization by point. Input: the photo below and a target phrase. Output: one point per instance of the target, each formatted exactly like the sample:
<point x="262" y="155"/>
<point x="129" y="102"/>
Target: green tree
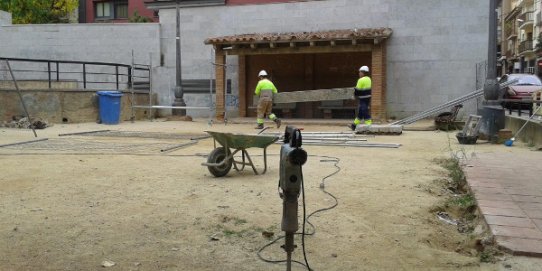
<point x="39" y="11"/>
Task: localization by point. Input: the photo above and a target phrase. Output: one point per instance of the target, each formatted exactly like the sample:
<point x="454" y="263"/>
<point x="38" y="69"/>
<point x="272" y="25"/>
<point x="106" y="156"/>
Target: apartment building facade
<point x="114" y="11"/>
<point x="520" y="39"/>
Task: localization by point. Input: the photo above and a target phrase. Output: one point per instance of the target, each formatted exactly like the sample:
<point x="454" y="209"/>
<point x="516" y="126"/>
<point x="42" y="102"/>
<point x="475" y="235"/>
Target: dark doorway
<point x="294" y="72"/>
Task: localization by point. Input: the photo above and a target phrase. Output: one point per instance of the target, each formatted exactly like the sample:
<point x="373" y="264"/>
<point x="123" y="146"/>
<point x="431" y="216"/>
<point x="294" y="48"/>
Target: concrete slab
<point x="379" y="129"/>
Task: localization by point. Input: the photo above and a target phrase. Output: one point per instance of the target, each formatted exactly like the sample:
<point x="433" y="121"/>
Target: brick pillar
<point x="242" y="86"/>
<point x="220" y="60"/>
<point x="378" y="77"/>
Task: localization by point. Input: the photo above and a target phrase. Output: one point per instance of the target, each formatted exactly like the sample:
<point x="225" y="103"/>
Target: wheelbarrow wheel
<point x="217" y="156"/>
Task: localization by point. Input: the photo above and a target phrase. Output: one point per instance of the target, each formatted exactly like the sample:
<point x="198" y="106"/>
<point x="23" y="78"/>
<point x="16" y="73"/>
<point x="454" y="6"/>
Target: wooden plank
<point x="314" y="95"/>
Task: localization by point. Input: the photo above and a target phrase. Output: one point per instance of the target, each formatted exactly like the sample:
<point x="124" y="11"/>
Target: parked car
<point x="520" y="90"/>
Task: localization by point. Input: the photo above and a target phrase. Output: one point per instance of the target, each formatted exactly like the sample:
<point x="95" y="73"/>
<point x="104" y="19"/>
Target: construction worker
<point x="265" y="90"/>
<point x="363" y="92"/>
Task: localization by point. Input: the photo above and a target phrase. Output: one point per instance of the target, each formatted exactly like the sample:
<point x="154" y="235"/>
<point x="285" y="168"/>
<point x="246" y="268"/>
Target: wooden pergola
<point x="368" y="40"/>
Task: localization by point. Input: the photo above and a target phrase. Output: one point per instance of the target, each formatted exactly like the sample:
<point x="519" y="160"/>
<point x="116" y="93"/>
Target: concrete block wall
<point x="111" y="43"/>
<point x="82" y="42"/>
<point x="431" y="54"/>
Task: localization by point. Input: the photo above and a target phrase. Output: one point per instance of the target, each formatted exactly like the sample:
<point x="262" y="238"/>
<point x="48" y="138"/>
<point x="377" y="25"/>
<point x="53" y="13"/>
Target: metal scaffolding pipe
<point x="179" y="146"/>
<point x="366" y="145"/>
<point x="431" y="111"/>
<point x="24" y="142"/>
<point x="83" y="133"/>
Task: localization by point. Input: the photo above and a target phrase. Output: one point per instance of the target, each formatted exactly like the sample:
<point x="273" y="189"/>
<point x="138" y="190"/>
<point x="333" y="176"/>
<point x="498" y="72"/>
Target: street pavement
<point x="508" y="190"/>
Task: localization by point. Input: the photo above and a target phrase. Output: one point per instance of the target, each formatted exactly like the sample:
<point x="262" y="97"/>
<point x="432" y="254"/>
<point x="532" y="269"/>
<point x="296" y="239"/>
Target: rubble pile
<point x="24" y="123"/>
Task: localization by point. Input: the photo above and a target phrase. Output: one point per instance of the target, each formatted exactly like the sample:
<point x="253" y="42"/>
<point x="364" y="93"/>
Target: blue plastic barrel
<point x="109" y="106"/>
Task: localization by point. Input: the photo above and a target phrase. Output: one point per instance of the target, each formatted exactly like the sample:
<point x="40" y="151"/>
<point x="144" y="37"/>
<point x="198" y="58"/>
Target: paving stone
<point x="530" y="199"/>
<point x="485" y="190"/>
<point x="498" y="204"/>
<point x="496" y="197"/>
<point x="521" y="246"/>
<point x="509" y="196"/>
<point x="509" y="221"/>
<point x="534" y="214"/>
<point x="529" y="205"/>
<point x="525" y="233"/>
<point x="502" y="212"/>
<point x="485" y="183"/>
<point x="523" y="192"/>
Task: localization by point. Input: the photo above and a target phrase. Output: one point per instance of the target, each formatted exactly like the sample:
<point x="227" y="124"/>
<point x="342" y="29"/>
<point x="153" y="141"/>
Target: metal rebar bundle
<point x="433" y="110"/>
<point x="354" y="144"/>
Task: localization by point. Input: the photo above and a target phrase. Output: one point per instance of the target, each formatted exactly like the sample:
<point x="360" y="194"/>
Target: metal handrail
<point x="123" y="74"/>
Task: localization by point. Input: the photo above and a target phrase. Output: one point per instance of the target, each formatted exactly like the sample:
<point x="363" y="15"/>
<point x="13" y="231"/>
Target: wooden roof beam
<point x="301" y="50"/>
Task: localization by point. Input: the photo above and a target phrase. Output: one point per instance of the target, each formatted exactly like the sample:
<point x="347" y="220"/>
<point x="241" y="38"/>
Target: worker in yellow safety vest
<point x="362" y="91"/>
<point x="265" y="90"/>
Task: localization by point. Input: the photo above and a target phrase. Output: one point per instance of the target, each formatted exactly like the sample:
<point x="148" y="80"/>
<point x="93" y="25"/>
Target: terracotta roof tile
<point x="345" y="34"/>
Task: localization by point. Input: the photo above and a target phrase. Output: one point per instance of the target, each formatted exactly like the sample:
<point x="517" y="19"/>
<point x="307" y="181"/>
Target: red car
<point x="521" y="90"/>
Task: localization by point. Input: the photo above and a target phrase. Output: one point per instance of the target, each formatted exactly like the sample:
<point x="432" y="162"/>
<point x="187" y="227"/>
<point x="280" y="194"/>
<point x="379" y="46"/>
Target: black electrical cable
<point x="336" y="161"/>
<point x="304" y="222"/>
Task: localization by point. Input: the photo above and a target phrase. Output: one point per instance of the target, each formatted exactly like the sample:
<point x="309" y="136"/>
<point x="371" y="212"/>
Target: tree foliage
<point x="39" y="11"/>
<point x="136" y="18"/>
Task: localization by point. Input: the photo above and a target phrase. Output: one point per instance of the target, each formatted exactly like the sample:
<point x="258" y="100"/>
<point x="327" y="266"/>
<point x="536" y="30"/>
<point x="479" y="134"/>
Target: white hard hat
<point x="364" y="69"/>
<point x="262" y="73"/>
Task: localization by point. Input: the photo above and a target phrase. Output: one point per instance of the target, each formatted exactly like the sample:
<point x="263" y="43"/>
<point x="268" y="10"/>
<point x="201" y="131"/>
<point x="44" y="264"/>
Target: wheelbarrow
<point x="222" y="158"/>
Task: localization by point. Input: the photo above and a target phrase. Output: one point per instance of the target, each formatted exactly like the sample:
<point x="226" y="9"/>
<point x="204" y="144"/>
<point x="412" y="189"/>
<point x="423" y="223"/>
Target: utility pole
<point x="492" y="112"/>
<point x="179" y="101"/>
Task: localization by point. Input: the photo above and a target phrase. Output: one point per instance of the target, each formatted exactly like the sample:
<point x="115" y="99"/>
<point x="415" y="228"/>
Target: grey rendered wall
<point x="112" y="43"/>
<point x="431" y="57"/>
<point x="5" y="18"/>
<point x="82" y="42"/>
<point x="431" y="54"/>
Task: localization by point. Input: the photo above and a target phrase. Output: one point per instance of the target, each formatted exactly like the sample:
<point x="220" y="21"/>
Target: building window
<point x="121" y="9"/>
<point x="112" y="10"/>
<point x="103" y="10"/>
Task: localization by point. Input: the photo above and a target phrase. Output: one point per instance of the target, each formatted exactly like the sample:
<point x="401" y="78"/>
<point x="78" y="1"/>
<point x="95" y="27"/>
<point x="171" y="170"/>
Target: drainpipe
<point x="492" y="112"/>
<point x="179" y="101"/>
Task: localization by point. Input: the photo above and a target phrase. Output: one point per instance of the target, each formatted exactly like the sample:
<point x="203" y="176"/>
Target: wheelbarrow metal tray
<point x="243" y="141"/>
<point x="221" y="159"/>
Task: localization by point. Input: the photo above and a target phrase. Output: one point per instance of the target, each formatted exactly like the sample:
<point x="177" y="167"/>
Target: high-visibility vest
<point x="265" y="88"/>
<point x="363" y="87"/>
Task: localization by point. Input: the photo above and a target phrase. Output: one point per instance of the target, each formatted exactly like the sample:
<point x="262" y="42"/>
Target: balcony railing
<point x="526" y="18"/>
<point x="526" y="45"/>
<point x="510" y="30"/>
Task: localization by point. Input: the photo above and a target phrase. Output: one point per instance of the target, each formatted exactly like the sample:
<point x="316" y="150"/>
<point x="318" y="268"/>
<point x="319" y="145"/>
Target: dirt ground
<point x="73" y="202"/>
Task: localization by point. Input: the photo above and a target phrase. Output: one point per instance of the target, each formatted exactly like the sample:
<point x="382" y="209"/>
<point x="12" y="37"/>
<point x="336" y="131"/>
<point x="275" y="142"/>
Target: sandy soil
<point x="72" y="202"/>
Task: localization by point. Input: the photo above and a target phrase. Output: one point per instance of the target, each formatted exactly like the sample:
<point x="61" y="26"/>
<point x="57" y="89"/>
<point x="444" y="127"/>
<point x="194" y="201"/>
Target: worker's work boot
<point x="259" y="126"/>
<point x="278" y="122"/>
<point x="353" y="127"/>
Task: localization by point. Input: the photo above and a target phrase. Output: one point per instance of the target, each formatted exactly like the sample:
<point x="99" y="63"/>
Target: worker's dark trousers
<point x="364" y="109"/>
